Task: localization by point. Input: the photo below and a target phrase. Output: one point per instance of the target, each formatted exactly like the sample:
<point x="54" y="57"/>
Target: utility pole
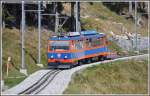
<point x="56" y="19"/>
<point x="2" y="81"/>
<point x="130" y="8"/>
<point x="79" y="23"/>
<point x="135" y="26"/>
<point x="149" y="15"/>
<point x="131" y="14"/>
<point x="76" y="16"/>
<point x="1" y="33"/>
<point x="56" y="22"/>
<point x="23" y="65"/>
<point x="72" y="17"/>
<point x="149" y="29"/>
<point x="39" y="34"/>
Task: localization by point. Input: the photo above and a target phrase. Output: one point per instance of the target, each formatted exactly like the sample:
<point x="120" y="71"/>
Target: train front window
<point x="59" y="45"/>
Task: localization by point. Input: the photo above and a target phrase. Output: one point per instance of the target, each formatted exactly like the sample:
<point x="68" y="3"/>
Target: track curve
<point x="41" y="83"/>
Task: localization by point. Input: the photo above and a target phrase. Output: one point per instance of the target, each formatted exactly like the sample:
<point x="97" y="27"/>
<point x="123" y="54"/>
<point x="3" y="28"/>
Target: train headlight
<point x="52" y="56"/>
<point x="65" y="57"/>
<point x="58" y="55"/>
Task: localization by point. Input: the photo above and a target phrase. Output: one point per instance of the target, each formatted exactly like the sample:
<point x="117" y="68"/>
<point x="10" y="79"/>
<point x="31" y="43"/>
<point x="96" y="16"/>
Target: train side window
<point x="95" y="42"/>
<point x="88" y="43"/>
<point x="78" y="44"/>
<point x="101" y="41"/>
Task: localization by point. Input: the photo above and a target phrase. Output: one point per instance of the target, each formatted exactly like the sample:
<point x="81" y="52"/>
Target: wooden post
<point x="8" y="65"/>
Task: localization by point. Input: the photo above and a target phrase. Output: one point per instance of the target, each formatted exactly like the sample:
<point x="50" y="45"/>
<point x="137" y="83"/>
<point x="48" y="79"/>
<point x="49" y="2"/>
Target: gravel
<point x="61" y="81"/>
<point x="33" y="78"/>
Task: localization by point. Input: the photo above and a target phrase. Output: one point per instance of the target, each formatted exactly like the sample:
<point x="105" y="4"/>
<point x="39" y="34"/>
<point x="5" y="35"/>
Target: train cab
<point x="74" y="48"/>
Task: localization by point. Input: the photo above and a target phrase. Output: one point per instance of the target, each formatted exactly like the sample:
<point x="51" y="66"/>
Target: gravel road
<point x="61" y="81"/>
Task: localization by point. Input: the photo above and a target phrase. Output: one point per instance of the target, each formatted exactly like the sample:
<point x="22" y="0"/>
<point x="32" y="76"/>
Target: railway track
<point x="58" y="82"/>
<point x="41" y="83"/>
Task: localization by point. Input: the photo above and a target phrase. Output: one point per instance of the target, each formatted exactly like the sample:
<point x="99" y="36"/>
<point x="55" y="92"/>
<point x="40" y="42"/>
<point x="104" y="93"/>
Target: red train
<point x="77" y="48"/>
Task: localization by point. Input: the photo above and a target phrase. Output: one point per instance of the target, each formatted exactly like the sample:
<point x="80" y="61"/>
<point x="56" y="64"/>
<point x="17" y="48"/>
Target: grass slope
<point x="12" y="48"/>
<point x="120" y="77"/>
<point x="102" y="19"/>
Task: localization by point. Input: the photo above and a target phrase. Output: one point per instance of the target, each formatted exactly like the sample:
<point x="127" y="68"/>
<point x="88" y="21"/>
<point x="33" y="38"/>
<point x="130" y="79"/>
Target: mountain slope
<point x="120" y="77"/>
<point x="12" y="48"/>
<point x="97" y="16"/>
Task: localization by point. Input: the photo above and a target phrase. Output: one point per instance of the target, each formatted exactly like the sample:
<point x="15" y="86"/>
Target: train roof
<point x="78" y="36"/>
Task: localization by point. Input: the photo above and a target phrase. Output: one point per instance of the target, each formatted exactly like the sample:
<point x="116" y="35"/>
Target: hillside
<point x="120" y="77"/>
<point x="99" y="17"/>
<point x="12" y="48"/>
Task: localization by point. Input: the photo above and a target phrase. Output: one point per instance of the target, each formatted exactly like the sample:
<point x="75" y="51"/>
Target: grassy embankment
<point x="103" y="19"/>
<point x="100" y="18"/>
<point x="120" y="77"/>
<point x="12" y="48"/>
